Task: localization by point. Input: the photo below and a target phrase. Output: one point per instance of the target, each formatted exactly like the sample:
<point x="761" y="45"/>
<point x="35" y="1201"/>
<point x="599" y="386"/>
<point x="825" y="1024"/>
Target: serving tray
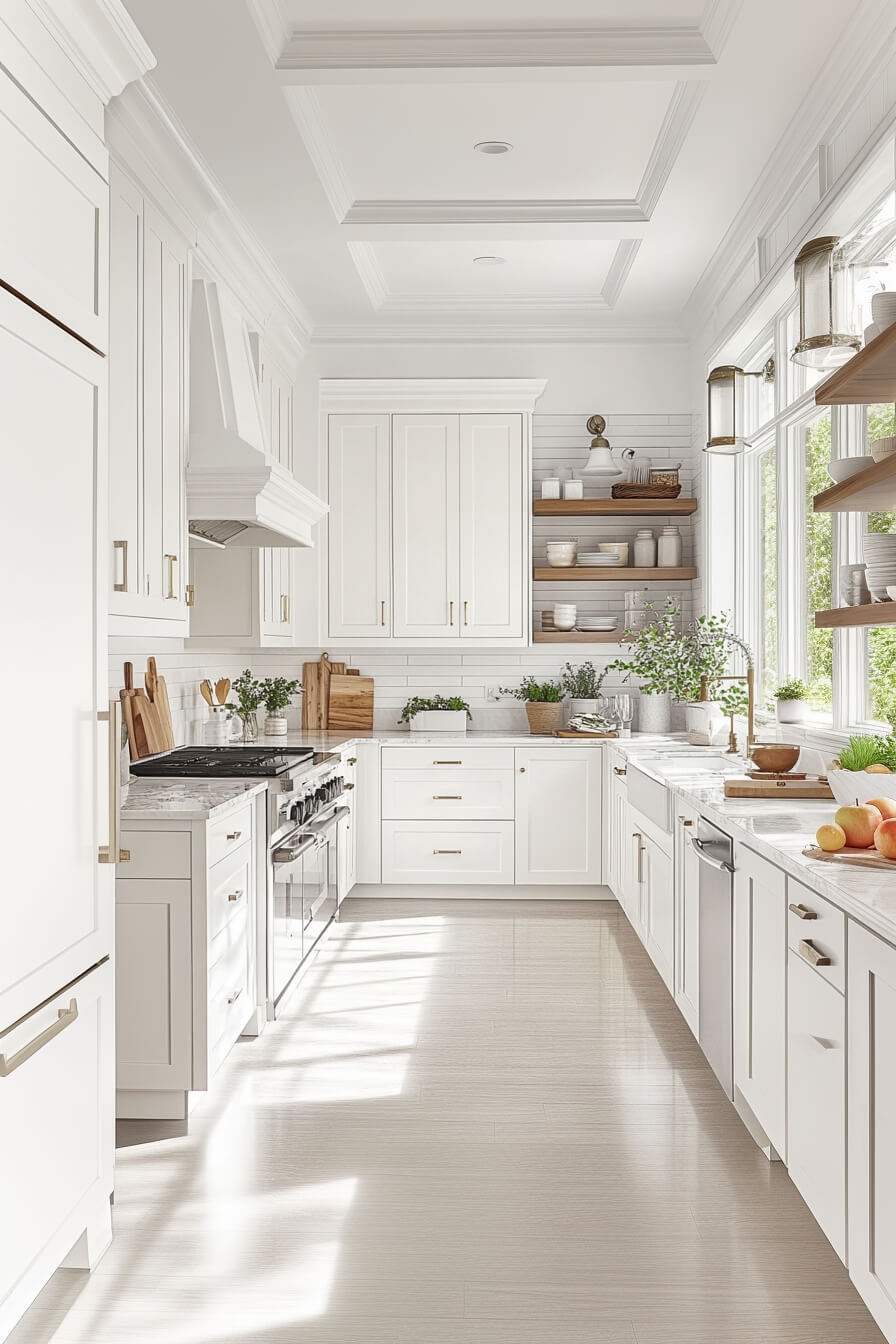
<point x="856" y="858"/>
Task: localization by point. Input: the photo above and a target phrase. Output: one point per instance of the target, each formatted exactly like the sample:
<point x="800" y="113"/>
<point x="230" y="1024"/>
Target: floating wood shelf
<point x="873" y="489"/>
<point x="609" y="573"/>
<point x="869" y="377"/>
<point x="577" y="637"/>
<point x="870" y="613"/>
<point x="613" y="508"/>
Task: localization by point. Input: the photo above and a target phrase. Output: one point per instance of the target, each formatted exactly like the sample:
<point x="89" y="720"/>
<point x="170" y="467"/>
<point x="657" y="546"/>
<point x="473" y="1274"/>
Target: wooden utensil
<point x="326" y="672"/>
<point x="127" y="709"/>
<point x="350" y="704"/>
<point x="206" y="689"/>
<point x="157" y="690"/>
<point x="222" y="690"/>
<point x="311" y="696"/>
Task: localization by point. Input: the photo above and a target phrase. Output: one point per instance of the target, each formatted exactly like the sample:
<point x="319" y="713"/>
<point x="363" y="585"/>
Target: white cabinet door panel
<point x="425" y="526"/>
<point x="492" y="509"/>
<point x="558" y="815"/>
<point x="687" y="918"/>
<point x="153" y="984"/>
<point x="483" y="795"/>
<point x="125" y="391"/>
<point x="429" y="852"/>
<point x="360" y="530"/>
<point x="760" y="992"/>
<point x="659" y="909"/>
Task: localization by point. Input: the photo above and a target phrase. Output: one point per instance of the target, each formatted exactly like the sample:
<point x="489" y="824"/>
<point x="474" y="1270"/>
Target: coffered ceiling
<point x="347" y="138"/>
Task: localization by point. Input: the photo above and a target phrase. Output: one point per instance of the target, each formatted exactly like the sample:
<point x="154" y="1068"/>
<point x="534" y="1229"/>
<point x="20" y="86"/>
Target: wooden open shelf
<point x="873" y="489"/>
<point x="871" y="613"/>
<point x="613" y="508"/>
<point x="577" y="637"/>
<point x="869" y="377"/>
<point x="608" y="573"/>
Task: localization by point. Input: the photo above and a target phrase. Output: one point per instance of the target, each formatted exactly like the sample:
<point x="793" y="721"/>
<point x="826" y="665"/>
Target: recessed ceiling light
<point x="493" y="147"/>
<point x="489" y="261"/>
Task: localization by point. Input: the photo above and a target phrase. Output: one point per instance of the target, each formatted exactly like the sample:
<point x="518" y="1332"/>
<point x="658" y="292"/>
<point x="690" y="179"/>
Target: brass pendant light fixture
<point x="725" y="427"/>
<point x="824" y="281"/>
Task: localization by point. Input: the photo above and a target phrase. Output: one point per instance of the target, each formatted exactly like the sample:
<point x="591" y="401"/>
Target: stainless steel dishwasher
<point x="715" y="850"/>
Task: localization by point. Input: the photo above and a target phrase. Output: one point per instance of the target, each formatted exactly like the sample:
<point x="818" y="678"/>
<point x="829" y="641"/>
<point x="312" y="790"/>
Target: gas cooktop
<point x="224" y="762"/>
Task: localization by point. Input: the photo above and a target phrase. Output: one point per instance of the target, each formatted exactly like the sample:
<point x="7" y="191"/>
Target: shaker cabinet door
<point x="492" y="508"/>
<point x="425" y="522"/>
<point x="760" y="992"/>
<point x="359" y="522"/>
<point x="558" y="816"/>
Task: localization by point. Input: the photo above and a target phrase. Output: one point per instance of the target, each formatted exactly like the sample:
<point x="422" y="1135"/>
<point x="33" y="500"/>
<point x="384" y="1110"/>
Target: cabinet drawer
<point x="233" y="935"/>
<point x="229" y="888"/>
<point x="463" y="852"/>
<point x="816" y="1097"/>
<point x="451" y="756"/>
<point x="229" y="1005"/>
<point x="54" y="224"/>
<point x="470" y="795"/>
<point x="159" y="854"/>
<point x="816" y="928"/>
<point x="224" y="836"/>
<point x="55" y="1143"/>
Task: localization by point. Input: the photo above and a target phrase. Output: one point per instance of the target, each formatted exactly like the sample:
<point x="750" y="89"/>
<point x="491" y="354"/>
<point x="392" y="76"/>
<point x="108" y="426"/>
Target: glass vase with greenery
<point x="249" y="695"/>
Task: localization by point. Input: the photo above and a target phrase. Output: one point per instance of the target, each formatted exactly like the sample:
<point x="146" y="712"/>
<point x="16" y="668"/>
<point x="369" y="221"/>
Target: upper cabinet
<point x="147" y="367"/>
<point x="428" y="534"/>
<point x="275" y="390"/>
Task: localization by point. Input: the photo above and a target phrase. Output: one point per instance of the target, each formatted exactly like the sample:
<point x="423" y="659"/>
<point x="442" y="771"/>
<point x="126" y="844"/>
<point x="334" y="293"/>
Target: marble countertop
<point x="396" y="737"/>
<point x="185" y="799"/>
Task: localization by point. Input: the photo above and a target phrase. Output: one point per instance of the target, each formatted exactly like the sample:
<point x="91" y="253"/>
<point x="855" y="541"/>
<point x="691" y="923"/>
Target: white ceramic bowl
<point x="841" y="468"/>
<point x="849" y="785"/>
<point x="883" y="448"/>
<point x="619" y="548"/>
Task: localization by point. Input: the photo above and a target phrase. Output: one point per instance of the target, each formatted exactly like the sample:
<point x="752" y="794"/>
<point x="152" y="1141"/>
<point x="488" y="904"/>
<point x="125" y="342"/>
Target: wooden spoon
<point x="206" y="689"/>
<point x="222" y="690"/>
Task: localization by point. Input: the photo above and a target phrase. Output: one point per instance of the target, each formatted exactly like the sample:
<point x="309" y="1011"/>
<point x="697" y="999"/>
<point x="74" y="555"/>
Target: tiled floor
<point x="474" y="1124"/>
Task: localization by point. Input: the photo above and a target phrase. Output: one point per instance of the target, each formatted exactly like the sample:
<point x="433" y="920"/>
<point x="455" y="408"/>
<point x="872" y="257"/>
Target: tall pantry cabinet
<point x="428" y="537"/>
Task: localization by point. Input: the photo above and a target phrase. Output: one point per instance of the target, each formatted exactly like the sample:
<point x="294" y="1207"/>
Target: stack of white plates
<point x="595" y="624"/>
<point x="596" y="558"/>
<point x="883" y="309"/>
<point x="880" y="563"/>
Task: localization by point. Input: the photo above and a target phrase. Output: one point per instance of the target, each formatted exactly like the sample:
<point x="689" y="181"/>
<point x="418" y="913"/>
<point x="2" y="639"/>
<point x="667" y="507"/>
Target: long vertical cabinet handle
<point x="172" y="561"/>
<point x="466" y="612"/>
<point x="636" y="835"/>
<point x="113" y="853"/>
<point x="383" y="612"/>
<point x="123" y="547"/>
<point x="450" y="613"/>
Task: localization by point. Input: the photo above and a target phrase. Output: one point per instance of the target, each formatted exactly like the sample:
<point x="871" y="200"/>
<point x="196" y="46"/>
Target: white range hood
<point x="237" y="493"/>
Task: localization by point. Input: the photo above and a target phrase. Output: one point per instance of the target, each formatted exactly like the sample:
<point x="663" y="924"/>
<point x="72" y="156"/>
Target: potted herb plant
<point x="276" y="694"/>
<point x="582" y="684"/>
<point x="249" y="696"/>
<point x="436" y="714"/>
<point x="544" y="704"/>
<point x="791" y="701"/>
<point x="659" y="658"/>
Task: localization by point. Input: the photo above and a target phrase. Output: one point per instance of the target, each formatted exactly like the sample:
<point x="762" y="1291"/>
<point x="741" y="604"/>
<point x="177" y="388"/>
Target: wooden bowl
<point x="774" y="756"/>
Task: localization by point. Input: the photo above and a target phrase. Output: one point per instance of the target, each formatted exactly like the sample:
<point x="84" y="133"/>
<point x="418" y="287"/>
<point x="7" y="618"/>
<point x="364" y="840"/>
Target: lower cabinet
<point x="347" y="833"/>
<point x="448" y="851"/>
<point x="760" y="992"/>
<point x="687" y="921"/>
<point x="658" y="907"/>
<point x="558" y="815"/>
<point x="185" y="955"/>
<point x="871" y="1126"/>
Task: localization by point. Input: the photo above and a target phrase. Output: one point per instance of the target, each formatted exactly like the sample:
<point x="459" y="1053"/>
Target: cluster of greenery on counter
<point x="251" y="693"/>
<point x="419" y="704"/>
<point x="537" y="692"/>
<point x="666" y="659"/>
<point x="277" y="692"/>
<point x="864" y="752"/>
<point x="582" y="682"/>
<point x="791" y="690"/>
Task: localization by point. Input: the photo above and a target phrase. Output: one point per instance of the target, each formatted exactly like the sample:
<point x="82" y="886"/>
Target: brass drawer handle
<point x="618" y="769"/>
<point x="352" y="760"/>
<point x="235" y="896"/>
<point x="190" y="595"/>
<point x="65" y="1018"/>
<point x="450" y="613"/>
<point x="382" y="613"/>
<point x="802" y="911"/>
<point x="234" y="835"/>
<point x="812" y="954"/>
<point x="636" y="835"/>
<point x="123" y="547"/>
<point x="447" y="798"/>
<point x="466" y="613"/>
<point x="235" y="995"/>
<point x="348" y="786"/>
<point x="113" y="853"/>
<point x="685" y="821"/>
<point x="172" y="561"/>
<point x="447" y="851"/>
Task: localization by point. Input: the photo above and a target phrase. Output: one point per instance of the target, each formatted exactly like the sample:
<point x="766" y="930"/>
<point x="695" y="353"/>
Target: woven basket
<point x="629" y="491"/>
<point x="544" y="716"/>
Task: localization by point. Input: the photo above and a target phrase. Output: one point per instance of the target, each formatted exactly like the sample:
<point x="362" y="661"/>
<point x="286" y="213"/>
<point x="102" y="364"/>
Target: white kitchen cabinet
<point x="425" y="520"/>
<point x="871" y="1122"/>
<point x="275" y="394"/>
<point x="816" y="1096"/>
<point x="687" y="921"/>
<point x="492" y="510"/>
<point x="147" y="415"/>
<point x="615" y="786"/>
<point x="347" y="835"/>
<point x="760" y="992"/>
<point x="359" y="526"/>
<point x="558" y="815"/>
<point x="452" y="852"/>
<point x="242" y="594"/>
<point x="658" y="907"/>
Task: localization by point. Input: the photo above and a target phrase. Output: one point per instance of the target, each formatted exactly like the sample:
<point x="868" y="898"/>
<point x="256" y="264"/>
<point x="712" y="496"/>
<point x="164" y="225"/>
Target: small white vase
<point x="583" y="707"/>
<point x="275" y="725"/>
<point x="702" y="719"/>
<point x="654" y="713"/>
<point x="790" y="711"/>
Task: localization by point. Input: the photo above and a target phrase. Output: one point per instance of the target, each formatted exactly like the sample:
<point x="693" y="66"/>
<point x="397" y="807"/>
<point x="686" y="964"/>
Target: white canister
<point x="217" y="728"/>
<point x="550" y="488"/>
<point x="573" y="489"/>
<point x="564" y="616"/>
<point x="655" y="713"/>
<point x="562" y="554"/>
<point x="645" y="549"/>
<point x="275" y="725"/>
<point x="669" y="548"/>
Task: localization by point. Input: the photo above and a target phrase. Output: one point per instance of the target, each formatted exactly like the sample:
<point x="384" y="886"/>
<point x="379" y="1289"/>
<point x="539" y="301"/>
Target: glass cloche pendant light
<point x="725" y="410"/>
<point x="825" y="285"/>
<point x="600" y="462"/>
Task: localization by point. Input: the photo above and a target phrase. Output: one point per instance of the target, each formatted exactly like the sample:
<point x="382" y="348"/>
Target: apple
<point x="830" y="837"/>
<point x="885" y="838"/>
<point x="859" y="822"/>
<point x="878" y="770"/>
<point x="885" y="806"/>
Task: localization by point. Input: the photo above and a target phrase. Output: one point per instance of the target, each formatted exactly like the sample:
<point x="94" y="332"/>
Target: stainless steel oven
<point x="304" y="893"/>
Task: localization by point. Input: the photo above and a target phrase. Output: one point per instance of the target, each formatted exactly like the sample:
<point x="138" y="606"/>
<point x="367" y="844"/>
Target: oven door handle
<point x="720" y="864"/>
<point x="316" y="827"/>
<point x="287" y="853"/>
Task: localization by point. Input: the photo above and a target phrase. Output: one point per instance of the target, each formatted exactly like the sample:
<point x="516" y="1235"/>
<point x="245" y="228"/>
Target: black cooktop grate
<point x="222" y="762"/>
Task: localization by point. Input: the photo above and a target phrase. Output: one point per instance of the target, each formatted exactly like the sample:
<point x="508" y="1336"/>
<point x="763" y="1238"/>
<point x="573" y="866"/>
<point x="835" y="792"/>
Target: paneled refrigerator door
<point x="493" y="511"/>
<point x="56" y="901"/>
<point x="425" y="506"/>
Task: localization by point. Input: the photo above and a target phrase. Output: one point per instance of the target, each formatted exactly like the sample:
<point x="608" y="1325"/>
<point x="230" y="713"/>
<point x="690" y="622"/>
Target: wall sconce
<point x="825" y="285"/>
<point x="725" y="407"/>
<point x="600" y="459"/>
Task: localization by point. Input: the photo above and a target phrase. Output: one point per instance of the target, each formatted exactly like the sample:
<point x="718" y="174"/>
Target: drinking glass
<point x="624" y="714"/>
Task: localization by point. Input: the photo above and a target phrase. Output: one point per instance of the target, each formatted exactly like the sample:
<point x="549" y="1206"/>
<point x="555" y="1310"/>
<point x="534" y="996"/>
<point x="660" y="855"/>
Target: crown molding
<point x="717" y="21"/>
<point x="686" y="98"/>
<point x="100" y="39"/>
<point x="368" y="267"/>
<point x="494" y="212"/>
<point x="312" y="50"/>
<point x="308" y="116"/>
<point x="448" y="394"/>
<point x="272" y="25"/>
<point x="482" y="333"/>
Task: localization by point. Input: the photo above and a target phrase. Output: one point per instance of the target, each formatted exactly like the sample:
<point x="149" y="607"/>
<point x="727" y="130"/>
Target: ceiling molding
<point x="100" y="39"/>
<point x="368" y="267"/>
<point x="494" y="212"/>
<point x="272" y="25"/>
<point x="483" y="333"/>
<point x="308" y="116"/>
<point x="717" y="21"/>
<point x="310" y="50"/>
<point x="448" y="394"/>
<point x="620" y="266"/>
<point x="678" y="120"/>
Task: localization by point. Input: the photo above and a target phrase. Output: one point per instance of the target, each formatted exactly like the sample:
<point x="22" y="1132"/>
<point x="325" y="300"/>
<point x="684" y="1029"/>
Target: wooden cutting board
<point x="350" y="704"/>
<point x="781" y="788"/>
<point x="566" y="732"/>
<point x="857" y="858"/>
<point x="127" y="694"/>
<point x="140" y="714"/>
<point x="316" y="690"/>
<point x="157" y="691"/>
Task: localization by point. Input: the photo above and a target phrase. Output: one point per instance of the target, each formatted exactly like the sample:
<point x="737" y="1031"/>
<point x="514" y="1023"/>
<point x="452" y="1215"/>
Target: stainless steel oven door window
<point x="288" y="908"/>
<point x="322" y="901"/>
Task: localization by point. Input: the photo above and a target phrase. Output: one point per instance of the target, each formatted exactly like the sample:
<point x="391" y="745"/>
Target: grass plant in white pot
<point x="436" y="714"/>
<point x="864" y="770"/>
<point x="791" y="701"/>
<point x="582" y="685"/>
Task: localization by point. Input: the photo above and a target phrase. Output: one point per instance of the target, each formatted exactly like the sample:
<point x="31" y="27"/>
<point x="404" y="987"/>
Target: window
<point x="819" y="595"/>
<point x="881" y="641"/>
<point x="768" y="573"/>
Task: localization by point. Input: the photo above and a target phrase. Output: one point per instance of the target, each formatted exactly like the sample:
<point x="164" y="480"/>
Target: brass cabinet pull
<point x="352" y="760"/>
<point x="447" y="851"/>
<point x="235" y="995"/>
<point x="65" y="1018"/>
<point x="450" y="613"/>
<point x="235" y="896"/>
<point x="123" y="547"/>
<point x="685" y="821"/>
<point x="802" y="911"/>
<point x="618" y="769"/>
<point x="172" y="561"/>
<point x="284" y="608"/>
<point x="383" y="612"/>
<point x="234" y="835"/>
<point x="348" y="786"/>
<point x="812" y="954"/>
<point x="447" y="762"/>
<point x="113" y="853"/>
<point x="447" y="798"/>
<point x="466" y="612"/>
<point x="190" y="595"/>
<point x="522" y="769"/>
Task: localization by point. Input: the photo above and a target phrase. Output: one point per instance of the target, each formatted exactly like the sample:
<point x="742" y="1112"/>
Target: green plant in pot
<point x="249" y="695"/>
<point x="436" y="714"/>
<point x="791" y="701"/>
<point x="659" y="659"/>
<point x="544" y="704"/>
<point x="276" y="696"/>
<point x="582" y="685"/>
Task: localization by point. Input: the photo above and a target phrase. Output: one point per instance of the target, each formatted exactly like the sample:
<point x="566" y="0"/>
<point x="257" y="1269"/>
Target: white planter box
<point x="791" y="711"/>
<point x="850" y="786"/>
<point x="440" y="721"/>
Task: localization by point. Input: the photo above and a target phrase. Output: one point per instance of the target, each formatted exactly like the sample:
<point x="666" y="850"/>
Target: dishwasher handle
<point x="721" y="864"/>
